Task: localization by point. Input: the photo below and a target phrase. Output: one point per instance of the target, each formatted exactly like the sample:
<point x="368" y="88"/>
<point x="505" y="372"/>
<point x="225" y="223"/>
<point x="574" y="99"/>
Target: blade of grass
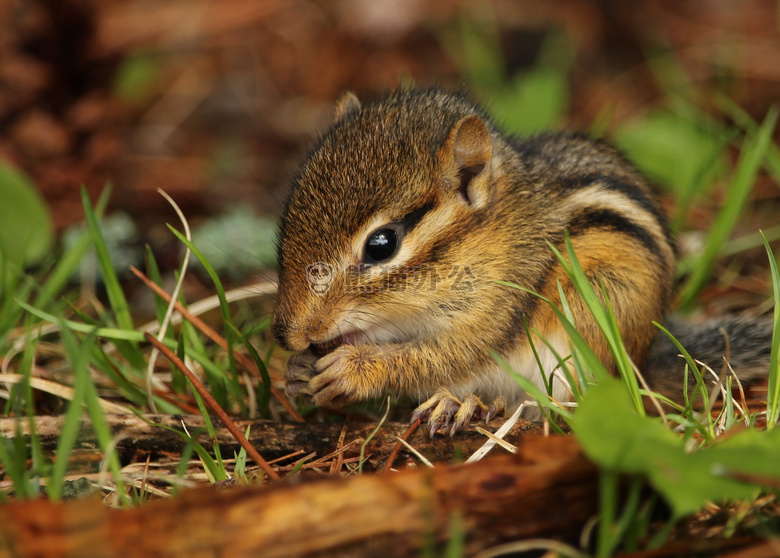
<point x="744" y="121"/>
<point x="265" y="395"/>
<point x="739" y="188"/>
<point x="583" y="376"/>
<point x="116" y="297"/>
<point x="233" y="384"/>
<point x="114" y="291"/>
<point x="532" y="389"/>
<point x="370" y="437"/>
<point x="608" y="497"/>
<point x="213" y="470"/>
<point x="71" y="259"/>
<point x="605" y="318"/>
<point x="164" y="323"/>
<point x="36" y="449"/>
<point x="153" y="273"/>
<point x="215" y="408"/>
<point x="70" y="428"/>
<point x="700" y="387"/>
<point x="218" y="470"/>
<point x="773" y="389"/>
<point x="14" y="454"/>
<point x="589" y="357"/>
<point x="219" y="340"/>
<point x="13" y="284"/>
<point x="115" y="334"/>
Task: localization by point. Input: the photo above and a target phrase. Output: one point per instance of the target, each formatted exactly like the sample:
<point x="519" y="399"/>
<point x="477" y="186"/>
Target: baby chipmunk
<point x="401" y="224"/>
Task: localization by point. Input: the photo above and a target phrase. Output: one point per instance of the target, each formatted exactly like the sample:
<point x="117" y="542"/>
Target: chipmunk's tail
<point x="746" y="344"/>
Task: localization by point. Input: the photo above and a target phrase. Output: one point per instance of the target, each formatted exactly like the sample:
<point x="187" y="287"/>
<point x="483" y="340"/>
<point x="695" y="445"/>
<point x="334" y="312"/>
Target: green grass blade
<point x="15" y="453"/>
<point x="71" y="259"/>
<point x="547" y="381"/>
<point x="605" y="319"/>
<point x="105" y="438"/>
<point x="106" y="332"/>
<point x="210" y="466"/>
<point x="608" y="498"/>
<point x="265" y="386"/>
<point x="531" y="389"/>
<point x="590" y="359"/>
<point x="739" y="188"/>
<point x="744" y="121"/>
<point x="13" y="284"/>
<point x="36" y="449"/>
<point x="153" y="272"/>
<point x="78" y="357"/>
<point x="700" y="387"/>
<point x="114" y="291"/>
<point x="218" y="469"/>
<point x="116" y="297"/>
<point x="370" y="437"/>
<point x="233" y="384"/>
<point x="773" y="389"/>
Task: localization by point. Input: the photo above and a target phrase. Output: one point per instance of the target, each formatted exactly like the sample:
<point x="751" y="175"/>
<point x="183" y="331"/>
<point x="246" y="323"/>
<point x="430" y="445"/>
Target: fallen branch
<point x="548" y="490"/>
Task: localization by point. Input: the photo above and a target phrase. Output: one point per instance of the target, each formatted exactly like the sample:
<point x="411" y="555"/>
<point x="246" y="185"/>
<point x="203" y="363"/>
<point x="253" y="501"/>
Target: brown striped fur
<point x="479" y="208"/>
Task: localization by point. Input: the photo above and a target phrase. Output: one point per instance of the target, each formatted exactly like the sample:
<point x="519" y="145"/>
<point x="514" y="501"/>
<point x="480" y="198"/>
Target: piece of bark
<point x="271" y="439"/>
<point x="548" y="490"/>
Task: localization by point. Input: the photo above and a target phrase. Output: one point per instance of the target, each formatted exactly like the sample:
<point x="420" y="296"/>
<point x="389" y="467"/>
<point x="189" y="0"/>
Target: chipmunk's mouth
<point x="349" y="338"/>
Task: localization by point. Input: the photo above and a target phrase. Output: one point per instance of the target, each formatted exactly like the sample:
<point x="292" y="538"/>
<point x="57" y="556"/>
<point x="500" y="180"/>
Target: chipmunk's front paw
<point x="444" y="408"/>
<point x="300" y="371"/>
<point x="349" y="374"/>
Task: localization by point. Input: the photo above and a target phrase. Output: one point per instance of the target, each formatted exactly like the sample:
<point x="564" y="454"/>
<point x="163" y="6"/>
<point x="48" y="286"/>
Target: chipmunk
<point x="401" y="223"/>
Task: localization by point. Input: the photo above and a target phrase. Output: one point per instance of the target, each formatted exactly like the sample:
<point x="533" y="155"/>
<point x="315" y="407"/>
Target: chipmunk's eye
<point x="381" y="245"/>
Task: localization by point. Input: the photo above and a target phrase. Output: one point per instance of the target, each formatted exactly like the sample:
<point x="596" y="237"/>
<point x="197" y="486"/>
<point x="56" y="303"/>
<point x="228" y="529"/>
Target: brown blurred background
<point x="215" y="101"/>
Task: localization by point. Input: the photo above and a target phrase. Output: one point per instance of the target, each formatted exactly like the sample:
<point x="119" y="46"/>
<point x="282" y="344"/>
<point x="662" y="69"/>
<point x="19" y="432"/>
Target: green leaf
<point x="616" y="438"/>
<point x="671" y="150"/>
<point x="535" y="101"/>
<point x="26" y="231"/>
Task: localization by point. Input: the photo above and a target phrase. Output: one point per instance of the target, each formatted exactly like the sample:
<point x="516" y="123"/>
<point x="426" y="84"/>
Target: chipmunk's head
<point x="378" y="219"/>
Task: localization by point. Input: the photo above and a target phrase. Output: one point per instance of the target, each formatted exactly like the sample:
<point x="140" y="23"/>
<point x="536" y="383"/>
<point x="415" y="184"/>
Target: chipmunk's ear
<point x="346" y="105"/>
<point x="465" y="158"/>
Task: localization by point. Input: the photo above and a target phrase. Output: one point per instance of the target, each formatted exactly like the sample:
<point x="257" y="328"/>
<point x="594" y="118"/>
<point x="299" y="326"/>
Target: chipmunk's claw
<point x="444" y="409"/>
<point x="496" y="408"/>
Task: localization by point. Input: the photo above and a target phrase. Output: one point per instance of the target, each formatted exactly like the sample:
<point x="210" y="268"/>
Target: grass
<point x="103" y="346"/>
<point x="680" y="455"/>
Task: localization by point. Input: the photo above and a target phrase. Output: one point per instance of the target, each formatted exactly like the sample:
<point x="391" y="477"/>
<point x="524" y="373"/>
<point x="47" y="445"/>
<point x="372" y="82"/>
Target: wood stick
<point x="549" y="490"/>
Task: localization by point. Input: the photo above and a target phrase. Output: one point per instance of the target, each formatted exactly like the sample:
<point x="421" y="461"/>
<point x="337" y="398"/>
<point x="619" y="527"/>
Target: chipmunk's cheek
<point x="343" y="376"/>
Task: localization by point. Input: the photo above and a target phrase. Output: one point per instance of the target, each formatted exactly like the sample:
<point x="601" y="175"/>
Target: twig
<point x="218" y="339"/>
<point x="397" y="449"/>
<point x="214" y="406"/>
<point x="336" y="465"/>
<point x="424" y="460"/>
